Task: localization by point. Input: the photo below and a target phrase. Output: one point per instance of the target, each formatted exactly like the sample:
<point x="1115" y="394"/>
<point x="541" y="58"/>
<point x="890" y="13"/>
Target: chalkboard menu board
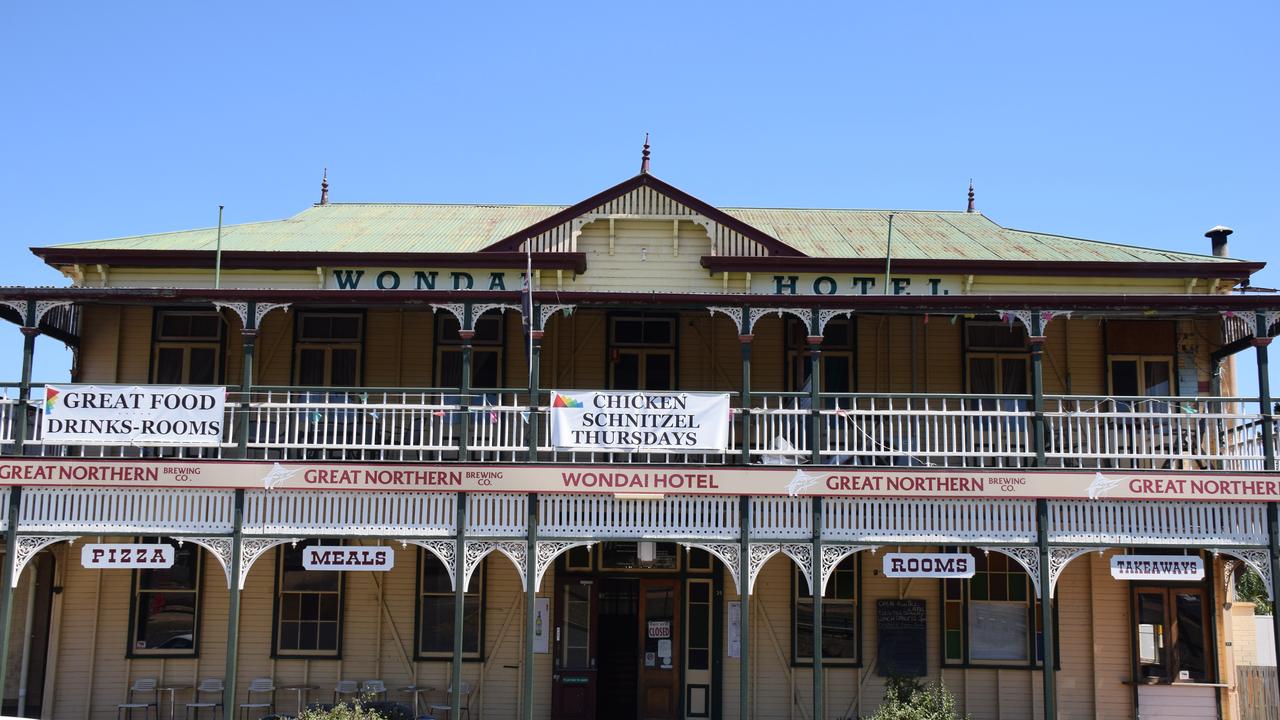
<point x="900" y="634"/>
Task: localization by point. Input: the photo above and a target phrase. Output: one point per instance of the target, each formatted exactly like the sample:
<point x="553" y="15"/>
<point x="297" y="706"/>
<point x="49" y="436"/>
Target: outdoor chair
<point x="259" y="686"/>
<point x="345" y="687"/>
<point x="377" y="688"/>
<point x="207" y="686"/>
<point x="445" y="708"/>
<point x="141" y="686"/>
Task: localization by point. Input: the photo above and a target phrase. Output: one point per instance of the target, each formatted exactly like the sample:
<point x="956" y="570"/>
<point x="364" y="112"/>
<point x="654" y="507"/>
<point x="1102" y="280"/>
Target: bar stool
<point x="377" y="688"/>
<point x="141" y="685"/>
<point x="259" y="686"/>
<point x="208" y="685"/>
<point x="345" y="687"/>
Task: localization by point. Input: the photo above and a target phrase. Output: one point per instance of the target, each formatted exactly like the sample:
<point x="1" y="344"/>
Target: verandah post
<point x="1260" y="341"/>
<point x="744" y="606"/>
<point x="249" y="336"/>
<point x="233" y="608"/>
<point x="814" y="341"/>
<point x="466" y="332"/>
<point x="744" y="340"/>
<point x="535" y="367"/>
<point x="7" y="578"/>
<point x="530" y="605"/>
<point x="1036" y="342"/>
<point x="29" y="333"/>
<point x="459" y="601"/>
<point x="817" y="590"/>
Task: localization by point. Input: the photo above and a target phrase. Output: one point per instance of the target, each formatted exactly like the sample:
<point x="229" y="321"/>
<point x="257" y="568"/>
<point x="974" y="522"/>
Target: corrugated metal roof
<point x="426" y="228"/>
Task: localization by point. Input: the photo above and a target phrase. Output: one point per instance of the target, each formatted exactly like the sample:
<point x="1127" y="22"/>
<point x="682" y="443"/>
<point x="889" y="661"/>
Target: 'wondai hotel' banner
<point x="137" y="415"/>
<point x="621" y="421"/>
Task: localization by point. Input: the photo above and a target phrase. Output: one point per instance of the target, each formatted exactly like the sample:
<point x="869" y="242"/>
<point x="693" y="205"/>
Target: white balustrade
<point x="1142" y="522"/>
<point x="118" y="510"/>
<point x="606" y="516"/>
<point x="351" y="513"/>
<point x="776" y="517"/>
<point x="895" y="520"/>
<point x="497" y="514"/>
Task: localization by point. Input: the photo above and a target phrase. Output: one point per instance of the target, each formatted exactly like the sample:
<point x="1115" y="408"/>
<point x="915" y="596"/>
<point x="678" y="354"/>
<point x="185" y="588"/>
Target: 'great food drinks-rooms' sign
<point x="132" y="415"/>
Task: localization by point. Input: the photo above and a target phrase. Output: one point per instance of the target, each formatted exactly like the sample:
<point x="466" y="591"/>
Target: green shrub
<point x="907" y="699"/>
<point x="365" y="709"/>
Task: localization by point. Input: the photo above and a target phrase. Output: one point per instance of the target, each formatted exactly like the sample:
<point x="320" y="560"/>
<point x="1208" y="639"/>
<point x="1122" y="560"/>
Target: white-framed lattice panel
<point x="1141" y="522"/>
<point x="349" y="513"/>
<point x="778" y="517"/>
<point x="682" y="516"/>
<point x="895" y="520"/>
<point x="117" y="510"/>
<point x="497" y="514"/>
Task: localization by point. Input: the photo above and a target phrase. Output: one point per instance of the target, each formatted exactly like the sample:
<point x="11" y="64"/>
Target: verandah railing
<point x="866" y="429"/>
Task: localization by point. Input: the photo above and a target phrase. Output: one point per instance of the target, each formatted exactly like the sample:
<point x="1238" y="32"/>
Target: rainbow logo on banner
<point x="565" y="402"/>
<point x="50" y="399"/>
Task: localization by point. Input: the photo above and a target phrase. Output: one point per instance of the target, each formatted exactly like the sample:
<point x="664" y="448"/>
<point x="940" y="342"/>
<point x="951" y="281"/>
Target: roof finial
<point x="970" y="208"/>
<point x="324" y="188"/>
<point x="644" y="156"/>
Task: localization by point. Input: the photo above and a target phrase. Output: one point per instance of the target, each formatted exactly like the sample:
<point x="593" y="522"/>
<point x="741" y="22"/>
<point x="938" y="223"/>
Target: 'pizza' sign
<point x="127" y="556"/>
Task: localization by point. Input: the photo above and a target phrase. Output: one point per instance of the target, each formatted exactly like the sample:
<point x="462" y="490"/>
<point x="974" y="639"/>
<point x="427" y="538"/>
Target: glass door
<point x="573" y="693"/>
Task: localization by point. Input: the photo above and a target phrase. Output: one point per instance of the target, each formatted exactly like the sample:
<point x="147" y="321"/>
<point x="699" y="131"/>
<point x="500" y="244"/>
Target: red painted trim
<point x="875" y="267"/>
<point x="777" y="248"/>
<point x="258" y="259"/>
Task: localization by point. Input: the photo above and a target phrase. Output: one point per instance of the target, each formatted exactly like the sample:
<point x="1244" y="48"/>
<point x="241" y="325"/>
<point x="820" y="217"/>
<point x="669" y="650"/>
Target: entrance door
<point x="659" y="669"/>
<point x="573" y="679"/>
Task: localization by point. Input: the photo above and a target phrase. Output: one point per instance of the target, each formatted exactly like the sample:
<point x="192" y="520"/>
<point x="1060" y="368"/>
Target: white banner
<point x="126" y="556"/>
<point x="622" y="421"/>
<point x="133" y="415"/>
<point x="1157" y="567"/>
<point x="928" y="565"/>
<point x="337" y="557"/>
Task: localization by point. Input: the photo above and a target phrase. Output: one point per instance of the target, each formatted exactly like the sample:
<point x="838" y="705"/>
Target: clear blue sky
<point x="1143" y="123"/>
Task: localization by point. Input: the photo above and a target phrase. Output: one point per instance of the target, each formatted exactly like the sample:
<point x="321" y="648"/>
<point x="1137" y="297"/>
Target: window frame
<point x="1205" y="588"/>
<point x="301" y="343"/>
<point x="856" y="602"/>
<point x="446" y="345"/>
<point x="1034" y="630"/>
<point x="187" y="343"/>
<point x="614" y="348"/>
<point x="131" y="649"/>
<point x="480" y="572"/>
<point x="1142" y="361"/>
<point x="795" y="352"/>
<point x="276" y="651"/>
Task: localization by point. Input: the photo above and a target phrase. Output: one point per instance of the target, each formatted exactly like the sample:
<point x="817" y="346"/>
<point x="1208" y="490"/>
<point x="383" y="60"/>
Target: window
<point x="308" y="605"/>
<point x="188" y="346"/>
<point x="992" y="618"/>
<point x="435" y="610"/>
<point x="166" y="605"/>
<point x="486" y="352"/>
<point x="997" y="364"/>
<point x="1171" y="633"/>
<point x="839" y="615"/>
<point x="839" y="341"/>
<point x="1141" y="375"/>
<point x="328" y="348"/>
<point x="642" y="353"/>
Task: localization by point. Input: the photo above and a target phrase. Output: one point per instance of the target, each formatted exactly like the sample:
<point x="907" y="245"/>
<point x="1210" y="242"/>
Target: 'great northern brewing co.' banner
<point x="622" y="421"/>
<point x="133" y="415"/>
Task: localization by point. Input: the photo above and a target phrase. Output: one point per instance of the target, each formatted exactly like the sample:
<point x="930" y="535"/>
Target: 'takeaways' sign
<point x="127" y="556"/>
<point x="928" y="565"/>
<point x="622" y="421"/>
<point x="334" y="557"/>
<point x="1157" y="567"/>
<point x="133" y="415"/>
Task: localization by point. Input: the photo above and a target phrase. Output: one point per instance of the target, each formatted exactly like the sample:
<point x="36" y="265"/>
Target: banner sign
<point x="627" y="421"/>
<point x="133" y="415"/>
<point x="1157" y="567"/>
<point x="127" y="556"/>
<point x="928" y="565"/>
<point x="337" y="557"/>
<point x="838" y="481"/>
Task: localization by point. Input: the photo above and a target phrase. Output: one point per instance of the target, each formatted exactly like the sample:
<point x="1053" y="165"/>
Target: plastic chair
<point x="345" y="687"/>
<point x="447" y="708"/>
<point x="259" y="686"/>
<point x="141" y="685"/>
<point x="374" y="687"/>
<point x="208" y="685"/>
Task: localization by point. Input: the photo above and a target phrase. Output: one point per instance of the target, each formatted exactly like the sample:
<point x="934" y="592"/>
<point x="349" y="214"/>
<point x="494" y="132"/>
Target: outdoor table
<point x="416" y="691"/>
<point x="173" y="696"/>
<point x="302" y="691"/>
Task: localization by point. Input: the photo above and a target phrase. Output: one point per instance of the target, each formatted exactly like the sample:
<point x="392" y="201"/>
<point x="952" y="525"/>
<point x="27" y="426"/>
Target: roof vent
<point x="1218" y="236"/>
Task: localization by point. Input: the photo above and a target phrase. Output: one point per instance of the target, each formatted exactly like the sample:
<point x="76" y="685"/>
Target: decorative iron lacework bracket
<point x="1059" y="558"/>
<point x="458" y="310"/>
<point x="1027" y="557"/>
<point x="1026" y="318"/>
<point x="44" y="306"/>
<point x="727" y="553"/>
<point x="1259" y="560"/>
<point x="478" y="310"/>
<point x="242" y="309"/>
<point x="547" y="552"/>
<point x="546" y="311"/>
<point x="253" y="548"/>
<point x="442" y="549"/>
<point x="805" y="315"/>
<point x="476" y="550"/>
<point x="733" y="313"/>
<point x="20" y="307"/>
<point x="826" y="316"/>
<point x="759" y="553"/>
<point x="28" y="546"/>
<point x="832" y="556"/>
<point x="219" y="547"/>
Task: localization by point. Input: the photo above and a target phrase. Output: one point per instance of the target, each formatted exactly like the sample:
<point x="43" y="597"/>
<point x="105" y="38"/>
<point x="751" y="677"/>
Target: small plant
<point x="358" y="709"/>
<point x="907" y="699"/>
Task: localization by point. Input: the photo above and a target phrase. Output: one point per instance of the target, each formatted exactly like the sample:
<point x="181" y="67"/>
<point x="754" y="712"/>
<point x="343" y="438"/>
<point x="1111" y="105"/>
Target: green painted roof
<point x="389" y="227"/>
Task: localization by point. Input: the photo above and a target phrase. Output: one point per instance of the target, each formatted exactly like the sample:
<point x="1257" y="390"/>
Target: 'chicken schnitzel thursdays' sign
<point x="630" y="421"/>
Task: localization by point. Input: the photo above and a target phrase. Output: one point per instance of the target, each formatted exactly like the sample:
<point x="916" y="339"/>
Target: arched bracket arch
<point x="478" y="310"/>
<point x="475" y="551"/>
<point x="733" y="313"/>
<point x="1028" y="557"/>
<point x="758" y="555"/>
<point x="28" y="546"/>
<point x="442" y="549"/>
<point x="546" y="311"/>
<point x="458" y="310"/>
<point x="219" y="547"/>
<point x="253" y="548"/>
<point x="804" y="314"/>
<point x="726" y="553"/>
<point x="1059" y="558"/>
<point x="833" y="555"/>
<point x="1259" y="560"/>
<point x="548" y="550"/>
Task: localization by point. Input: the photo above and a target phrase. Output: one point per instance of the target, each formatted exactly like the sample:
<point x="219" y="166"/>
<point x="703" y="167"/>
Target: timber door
<point x="573" y="678"/>
<point x="659" y="668"/>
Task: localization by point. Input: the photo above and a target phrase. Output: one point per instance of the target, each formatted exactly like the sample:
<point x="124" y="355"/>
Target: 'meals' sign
<point x="622" y="421"/>
<point x="928" y="565"/>
<point x="332" y="557"/>
<point x="133" y="415"/>
<point x="127" y="556"/>
<point x="1157" y="567"/>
